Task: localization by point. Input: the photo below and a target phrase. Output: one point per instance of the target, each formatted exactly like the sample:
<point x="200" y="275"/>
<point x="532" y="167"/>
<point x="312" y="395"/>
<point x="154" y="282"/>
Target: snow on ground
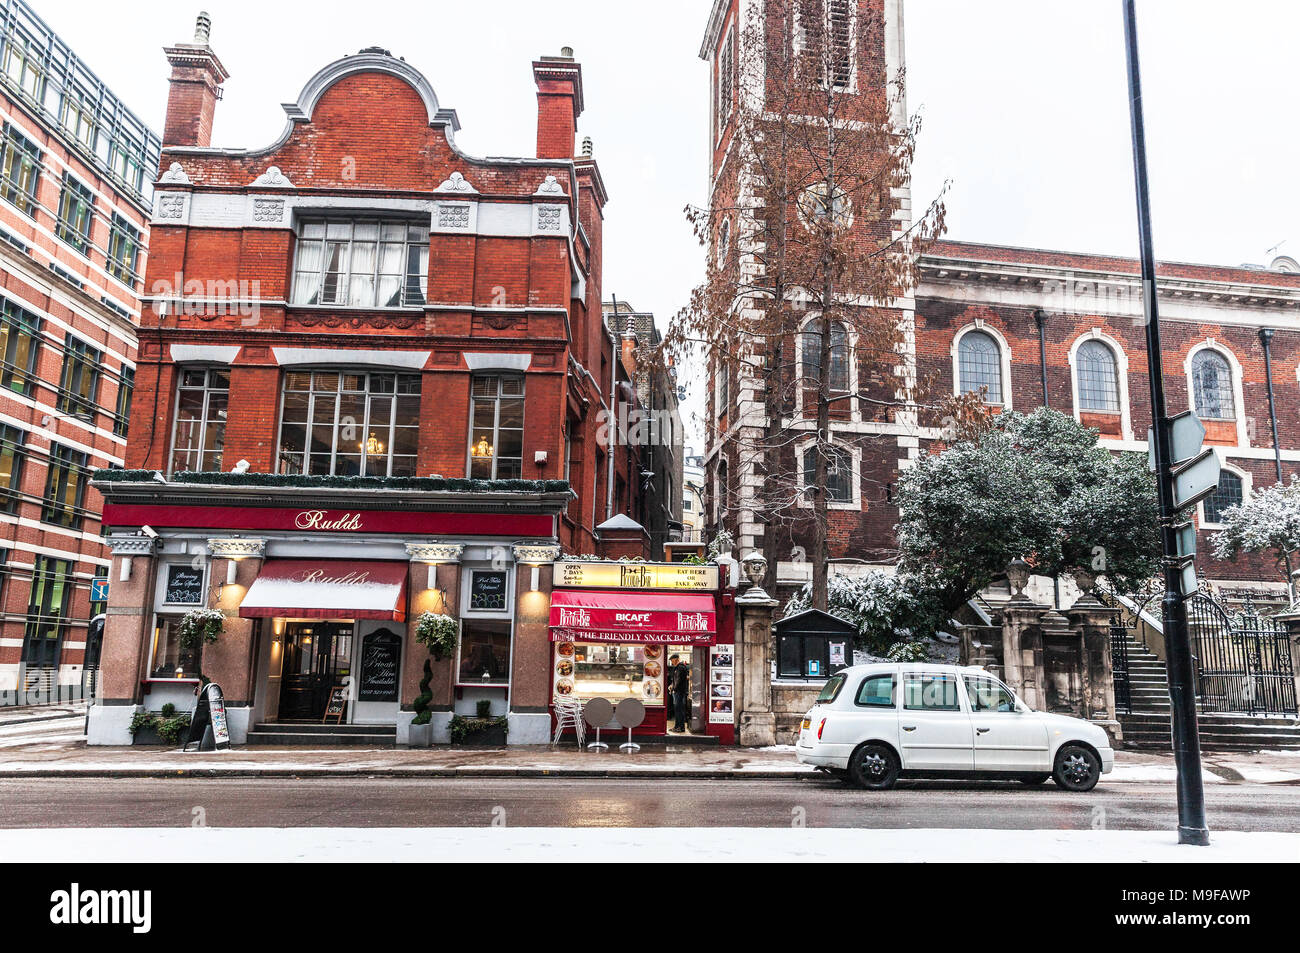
<point x="615" y="845"/>
<point x="1153" y="772"/>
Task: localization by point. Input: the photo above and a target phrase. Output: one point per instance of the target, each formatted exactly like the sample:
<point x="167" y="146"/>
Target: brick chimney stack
<point x="559" y="104"/>
<point x="195" y="87"/>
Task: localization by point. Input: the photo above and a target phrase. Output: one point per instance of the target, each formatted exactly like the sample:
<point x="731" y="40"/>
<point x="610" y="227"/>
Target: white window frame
<point x="1247" y="488"/>
<point x="204" y="420"/>
<point x="1004" y="349"/>
<point x="855" y="484"/>
<point x="496" y="423"/>
<point x="352" y="220"/>
<point x="467" y="571"/>
<point x="1121" y="373"/>
<point x="1238" y="391"/>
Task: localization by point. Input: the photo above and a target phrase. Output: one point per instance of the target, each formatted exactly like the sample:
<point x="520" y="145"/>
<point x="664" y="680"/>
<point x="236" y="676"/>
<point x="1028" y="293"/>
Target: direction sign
<point x="1196" y="479"/>
<point x="1186" y="534"/>
<point x="98" y="590"/>
<point x="1187" y="434"/>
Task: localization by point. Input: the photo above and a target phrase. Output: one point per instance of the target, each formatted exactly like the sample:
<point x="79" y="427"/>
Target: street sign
<point x="1186" y="534"/>
<point x="1196" y="479"/>
<point x="1186" y="433"/>
<point x="99" y="590"/>
<point x="1187" y="581"/>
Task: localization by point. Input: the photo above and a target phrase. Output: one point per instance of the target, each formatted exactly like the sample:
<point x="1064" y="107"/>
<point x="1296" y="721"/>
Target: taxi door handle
<point x="909" y="727"/>
<point x="982" y="730"/>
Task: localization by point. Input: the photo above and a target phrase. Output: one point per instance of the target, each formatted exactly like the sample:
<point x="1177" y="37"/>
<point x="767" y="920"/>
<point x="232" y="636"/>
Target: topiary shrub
<point x="421" y="705"/>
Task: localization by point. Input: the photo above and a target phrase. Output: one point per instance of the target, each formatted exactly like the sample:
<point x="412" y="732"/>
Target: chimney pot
<point x="586" y="146"/>
<point x="202" y="28"/>
<point x="566" y="51"/>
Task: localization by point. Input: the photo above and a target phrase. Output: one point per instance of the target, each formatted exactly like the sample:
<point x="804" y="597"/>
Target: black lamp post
<point x="1192" y="828"/>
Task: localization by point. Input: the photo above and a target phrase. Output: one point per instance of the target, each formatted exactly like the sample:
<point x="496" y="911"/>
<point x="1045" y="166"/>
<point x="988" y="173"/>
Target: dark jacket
<point x="681" y="682"/>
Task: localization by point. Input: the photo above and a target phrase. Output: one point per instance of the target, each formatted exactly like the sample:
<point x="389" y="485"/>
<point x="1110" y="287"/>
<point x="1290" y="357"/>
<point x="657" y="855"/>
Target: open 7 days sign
<point x="672" y="576"/>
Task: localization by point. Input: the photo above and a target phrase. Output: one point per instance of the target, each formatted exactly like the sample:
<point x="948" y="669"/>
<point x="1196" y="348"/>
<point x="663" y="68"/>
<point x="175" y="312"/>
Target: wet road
<point x="634" y="803"/>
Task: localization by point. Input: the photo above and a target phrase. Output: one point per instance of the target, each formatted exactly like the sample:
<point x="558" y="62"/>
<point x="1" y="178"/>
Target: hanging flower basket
<point x="201" y="625"/>
<point x="438" y="633"/>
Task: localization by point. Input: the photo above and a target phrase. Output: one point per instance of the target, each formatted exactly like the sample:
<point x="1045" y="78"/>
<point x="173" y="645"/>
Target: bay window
<point x="363" y="263"/>
<point x="350" y="423"/>
<point x="204" y="394"/>
<point x="496" y="443"/>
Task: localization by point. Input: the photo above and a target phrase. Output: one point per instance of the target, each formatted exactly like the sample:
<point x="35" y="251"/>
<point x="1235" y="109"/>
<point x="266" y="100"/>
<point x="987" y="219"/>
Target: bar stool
<point x="598" y="713"/>
<point x="629" y="714"/>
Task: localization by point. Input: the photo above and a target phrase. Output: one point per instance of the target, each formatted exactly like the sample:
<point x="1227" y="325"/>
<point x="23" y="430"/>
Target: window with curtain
<point x="363" y="263"/>
<point x="202" y="398"/>
<point x="496" y="443"/>
<point x="80" y="378"/>
<point x="1212" y="386"/>
<point x="20" y="332"/>
<point x="979" y="365"/>
<point x="1230" y="492"/>
<point x="350" y="423"/>
<point x="1098" y="377"/>
<point x="21" y="161"/>
<point x="838" y="376"/>
<point x="65" y="487"/>
<point x="839" y="473"/>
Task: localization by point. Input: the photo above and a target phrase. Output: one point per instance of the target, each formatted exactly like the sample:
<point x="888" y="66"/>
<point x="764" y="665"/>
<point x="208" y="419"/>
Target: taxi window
<point x="831" y="689"/>
<point x="930" y="691"/>
<point x="877" y="691"/>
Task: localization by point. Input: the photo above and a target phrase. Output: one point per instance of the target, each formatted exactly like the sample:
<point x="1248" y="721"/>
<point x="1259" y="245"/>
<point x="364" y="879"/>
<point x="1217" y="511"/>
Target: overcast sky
<point x="1024" y="104"/>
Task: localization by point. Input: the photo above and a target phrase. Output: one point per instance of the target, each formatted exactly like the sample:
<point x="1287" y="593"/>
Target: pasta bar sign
<point x="678" y="577"/>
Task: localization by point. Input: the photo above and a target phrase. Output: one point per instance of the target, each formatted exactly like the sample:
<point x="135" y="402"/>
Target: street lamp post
<point x="1192" y="828"/>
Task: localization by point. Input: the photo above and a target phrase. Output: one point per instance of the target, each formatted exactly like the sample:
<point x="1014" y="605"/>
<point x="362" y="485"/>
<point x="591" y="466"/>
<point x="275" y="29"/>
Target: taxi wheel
<point x="874" y="767"/>
<point x="1077" y="768"/>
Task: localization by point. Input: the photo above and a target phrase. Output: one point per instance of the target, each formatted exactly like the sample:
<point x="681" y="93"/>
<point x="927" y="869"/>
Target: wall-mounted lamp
<point x="536" y="555"/>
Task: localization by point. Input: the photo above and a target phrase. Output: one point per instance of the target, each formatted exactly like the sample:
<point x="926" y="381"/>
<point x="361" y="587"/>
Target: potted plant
<point x="421" y="730"/>
<point x="478" y="732"/>
<point x="201" y="626"/>
<point x="159" y="727"/>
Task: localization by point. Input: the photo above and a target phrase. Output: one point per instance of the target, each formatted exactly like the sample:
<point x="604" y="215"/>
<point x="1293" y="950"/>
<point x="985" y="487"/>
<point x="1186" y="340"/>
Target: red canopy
<point x="583" y="615"/>
<point x="328" y="589"/>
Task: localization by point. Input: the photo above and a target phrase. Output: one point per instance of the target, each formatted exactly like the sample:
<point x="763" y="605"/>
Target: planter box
<point x="484" y="738"/>
<point x="421" y="736"/>
<point x="147" y="736"/>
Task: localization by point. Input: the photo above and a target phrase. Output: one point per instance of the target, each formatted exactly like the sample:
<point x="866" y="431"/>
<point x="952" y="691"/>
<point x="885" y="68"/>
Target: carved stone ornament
<point x="237" y="548"/>
<point x="131" y="545"/>
<point x="550" y="217"/>
<point x="171" y="206"/>
<point x="273" y="178"/>
<point x="434" y="552"/>
<point x="457" y="183"/>
<point x="453" y="215"/>
<point x="551" y="186"/>
<point x="268" y="210"/>
<point x="533" y="553"/>
<point x="175" y="174"/>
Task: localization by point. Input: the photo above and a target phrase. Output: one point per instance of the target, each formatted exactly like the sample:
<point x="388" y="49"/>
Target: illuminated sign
<point x="679" y="577"/>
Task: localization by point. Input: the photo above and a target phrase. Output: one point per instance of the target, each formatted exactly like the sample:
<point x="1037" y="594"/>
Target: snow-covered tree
<point x="885" y="608"/>
<point x="1269" y="522"/>
<point x="1034" y="486"/>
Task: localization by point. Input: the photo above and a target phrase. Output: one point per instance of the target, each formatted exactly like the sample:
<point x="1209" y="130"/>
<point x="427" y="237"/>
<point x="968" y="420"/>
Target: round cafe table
<point x="598" y="713"/>
<point x="629" y="714"/>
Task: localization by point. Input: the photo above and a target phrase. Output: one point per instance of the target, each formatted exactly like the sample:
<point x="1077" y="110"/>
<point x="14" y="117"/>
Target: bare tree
<point x="812" y="248"/>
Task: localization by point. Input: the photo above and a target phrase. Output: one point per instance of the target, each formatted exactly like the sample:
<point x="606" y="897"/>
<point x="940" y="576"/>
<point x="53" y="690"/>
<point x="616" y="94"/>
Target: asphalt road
<point x="479" y="802"/>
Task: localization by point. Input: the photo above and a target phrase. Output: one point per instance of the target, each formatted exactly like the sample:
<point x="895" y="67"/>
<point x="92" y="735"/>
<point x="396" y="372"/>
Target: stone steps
<point x="325" y="736"/>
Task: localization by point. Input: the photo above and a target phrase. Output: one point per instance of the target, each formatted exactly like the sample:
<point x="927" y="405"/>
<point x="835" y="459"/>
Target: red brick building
<point x="1034" y="327"/>
<point x="372" y="359"/>
<point x="74" y="223"/>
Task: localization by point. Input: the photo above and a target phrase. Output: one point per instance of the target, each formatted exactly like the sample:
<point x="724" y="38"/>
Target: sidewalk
<point x="54" y="749"/>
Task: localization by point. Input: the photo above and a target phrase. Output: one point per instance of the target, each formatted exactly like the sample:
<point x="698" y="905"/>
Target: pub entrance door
<point x="317" y="656"/>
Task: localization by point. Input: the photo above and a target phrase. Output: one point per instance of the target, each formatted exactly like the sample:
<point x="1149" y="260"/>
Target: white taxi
<point x="874" y="723"/>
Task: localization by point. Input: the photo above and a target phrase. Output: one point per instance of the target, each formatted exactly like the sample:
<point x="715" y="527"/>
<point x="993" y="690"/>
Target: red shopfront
<point x="615" y="626"/>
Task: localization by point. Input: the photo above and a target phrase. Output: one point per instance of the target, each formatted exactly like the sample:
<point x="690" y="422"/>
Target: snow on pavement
<point x="616" y="845"/>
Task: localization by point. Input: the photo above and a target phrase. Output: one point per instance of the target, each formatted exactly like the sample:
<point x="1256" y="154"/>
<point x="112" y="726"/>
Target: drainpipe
<point x="615" y="356"/>
<point x="1266" y="339"/>
<point x="1040" y="319"/>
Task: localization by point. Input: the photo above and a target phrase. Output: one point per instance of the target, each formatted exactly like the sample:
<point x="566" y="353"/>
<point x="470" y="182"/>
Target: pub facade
<point x="374" y="382"/>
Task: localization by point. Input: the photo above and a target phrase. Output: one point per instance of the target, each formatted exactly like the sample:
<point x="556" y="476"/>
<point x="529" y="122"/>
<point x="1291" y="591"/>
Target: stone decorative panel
<point x="171" y="207"/>
<point x="550" y="217"/>
<point x="453" y="215"/>
<point x="435" y="552"/>
<point x="237" y="548"/>
<point x="268" y="210"/>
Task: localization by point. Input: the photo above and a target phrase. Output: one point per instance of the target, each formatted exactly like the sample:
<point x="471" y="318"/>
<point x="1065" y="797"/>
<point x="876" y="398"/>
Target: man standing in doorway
<point x="680" y="685"/>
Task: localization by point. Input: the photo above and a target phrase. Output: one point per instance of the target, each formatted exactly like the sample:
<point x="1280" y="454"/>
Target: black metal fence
<point x="1243" y="661"/>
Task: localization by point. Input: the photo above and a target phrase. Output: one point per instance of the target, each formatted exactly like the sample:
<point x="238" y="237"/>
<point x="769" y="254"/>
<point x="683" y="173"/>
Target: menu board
<point x="380" y="663"/>
<point x="184" y="585"/>
<point x="722" y="685"/>
<point x="671" y="576"/>
<point x="487" y="590"/>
